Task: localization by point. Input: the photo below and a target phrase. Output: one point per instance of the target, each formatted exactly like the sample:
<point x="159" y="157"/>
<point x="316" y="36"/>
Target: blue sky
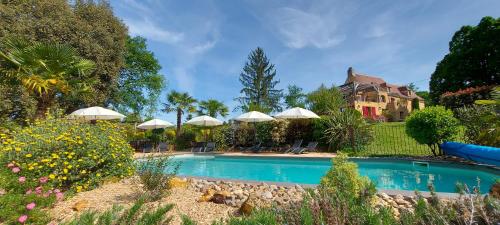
<point x="202" y="45"/>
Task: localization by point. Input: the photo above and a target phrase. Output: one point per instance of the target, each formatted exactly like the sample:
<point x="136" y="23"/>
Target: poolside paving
<point x="261" y="154"/>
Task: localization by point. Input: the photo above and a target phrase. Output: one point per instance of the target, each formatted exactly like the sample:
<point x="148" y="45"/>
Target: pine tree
<point x="257" y="78"/>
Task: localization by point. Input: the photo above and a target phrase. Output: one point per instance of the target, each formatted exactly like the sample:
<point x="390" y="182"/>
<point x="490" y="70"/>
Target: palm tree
<point x="46" y="70"/>
<point x="181" y="103"/>
<point x="212" y="108"/>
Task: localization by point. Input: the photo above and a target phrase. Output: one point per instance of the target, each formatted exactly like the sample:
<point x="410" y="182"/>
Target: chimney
<point x="350" y="75"/>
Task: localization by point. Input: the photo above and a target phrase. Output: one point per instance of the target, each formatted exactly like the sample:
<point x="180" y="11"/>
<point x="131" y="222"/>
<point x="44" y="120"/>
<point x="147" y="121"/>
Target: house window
<point x="382" y="98"/>
<point x="401" y="115"/>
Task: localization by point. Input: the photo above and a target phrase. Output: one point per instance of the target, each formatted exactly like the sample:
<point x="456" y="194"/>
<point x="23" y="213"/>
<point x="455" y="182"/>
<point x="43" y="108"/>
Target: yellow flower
<point x="28" y="155"/>
<point x="52" y="176"/>
<point x="70" y="166"/>
<point x="98" y="175"/>
<point x="78" y="188"/>
<point x="65" y="170"/>
<point x="83" y="172"/>
<point x="64" y="178"/>
<point x="17" y="149"/>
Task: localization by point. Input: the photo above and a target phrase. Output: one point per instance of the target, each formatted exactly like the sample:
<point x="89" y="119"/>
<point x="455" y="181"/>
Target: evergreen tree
<point x="295" y="97"/>
<point x="258" y="80"/>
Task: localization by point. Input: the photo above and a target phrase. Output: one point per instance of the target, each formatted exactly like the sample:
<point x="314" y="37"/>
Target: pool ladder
<point x="419" y="165"/>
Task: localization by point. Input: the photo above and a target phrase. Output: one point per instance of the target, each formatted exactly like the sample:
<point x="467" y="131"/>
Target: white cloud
<point x="299" y="29"/>
<point x="152" y="31"/>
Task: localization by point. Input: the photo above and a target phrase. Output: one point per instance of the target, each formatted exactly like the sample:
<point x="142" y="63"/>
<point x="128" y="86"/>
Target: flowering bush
<point x="25" y="199"/>
<point x="67" y="154"/>
<point x="465" y="97"/>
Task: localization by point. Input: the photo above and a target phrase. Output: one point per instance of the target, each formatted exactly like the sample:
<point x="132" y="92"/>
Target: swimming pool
<point x="387" y="174"/>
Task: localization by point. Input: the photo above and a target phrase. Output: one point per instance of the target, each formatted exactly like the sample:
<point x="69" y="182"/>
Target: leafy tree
<point x="295" y="97"/>
<point x="474" y="59"/>
<point x="425" y="96"/>
<point x="432" y="126"/>
<point x="140" y="83"/>
<point x="89" y="26"/>
<point x="413" y="87"/>
<point x="17" y="105"/>
<point x="212" y="108"/>
<point x="48" y="71"/>
<point x="324" y="99"/>
<point x="180" y="103"/>
<point x="258" y="80"/>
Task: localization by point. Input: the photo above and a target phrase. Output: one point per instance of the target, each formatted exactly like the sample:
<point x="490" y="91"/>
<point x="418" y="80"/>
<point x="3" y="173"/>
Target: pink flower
<point x="38" y="190"/>
<point x="22" y="179"/>
<point x="43" y="180"/>
<point x="22" y="219"/>
<point x="16" y="170"/>
<point x="10" y="165"/>
<point x="45" y="195"/>
<point x="30" y="206"/>
<point x="49" y="192"/>
<point x="59" y="196"/>
<point x="28" y="192"/>
<point x="57" y="191"/>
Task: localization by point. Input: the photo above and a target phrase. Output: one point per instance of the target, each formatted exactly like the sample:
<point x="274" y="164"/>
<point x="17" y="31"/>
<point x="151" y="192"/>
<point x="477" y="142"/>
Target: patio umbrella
<point x="205" y="121"/>
<point x="154" y="124"/>
<point x="95" y="113"/>
<point x="297" y="113"/>
<point x="253" y="116"/>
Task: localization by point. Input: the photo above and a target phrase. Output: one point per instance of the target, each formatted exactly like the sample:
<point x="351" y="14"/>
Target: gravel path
<point x="125" y="192"/>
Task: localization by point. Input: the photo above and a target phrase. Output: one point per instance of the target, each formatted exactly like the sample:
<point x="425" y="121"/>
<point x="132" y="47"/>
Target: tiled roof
<point x="392" y="89"/>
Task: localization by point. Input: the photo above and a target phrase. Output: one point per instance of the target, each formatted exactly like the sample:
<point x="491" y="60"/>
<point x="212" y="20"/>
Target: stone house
<point x="377" y="99"/>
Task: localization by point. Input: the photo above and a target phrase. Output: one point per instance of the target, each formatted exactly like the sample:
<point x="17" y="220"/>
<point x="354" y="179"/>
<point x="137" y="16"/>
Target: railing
<point x="391" y="139"/>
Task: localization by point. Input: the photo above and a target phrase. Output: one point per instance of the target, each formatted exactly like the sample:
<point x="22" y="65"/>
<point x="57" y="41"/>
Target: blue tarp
<point x="477" y="153"/>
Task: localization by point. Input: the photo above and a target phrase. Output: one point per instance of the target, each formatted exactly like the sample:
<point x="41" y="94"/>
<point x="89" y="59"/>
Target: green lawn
<point x="390" y="139"/>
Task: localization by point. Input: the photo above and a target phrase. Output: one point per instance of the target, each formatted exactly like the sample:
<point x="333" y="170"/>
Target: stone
<point x="218" y="199"/>
<point x="178" y="183"/>
<point x="80" y="205"/>
<point x="495" y="190"/>
<point x="248" y="205"/>
<point x="2" y="192"/>
<point x="384" y="196"/>
<point x="267" y="195"/>
<point x="238" y="192"/>
<point x="207" y="196"/>
<point x="224" y="194"/>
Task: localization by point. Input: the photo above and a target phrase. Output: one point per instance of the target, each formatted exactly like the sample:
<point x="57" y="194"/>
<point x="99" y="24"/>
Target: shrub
<point x="185" y="139"/>
<point x="432" y="126"/>
<point x="348" y="129"/>
<point x="155" y="175"/>
<point x="318" y="130"/>
<point x="25" y="199"/>
<point x="301" y="129"/>
<point x="244" y="134"/>
<point x="272" y="132"/>
<point x="71" y="155"/>
<point x="133" y="215"/>
<point x="477" y="120"/>
<point x="465" y="97"/>
<point x="223" y="137"/>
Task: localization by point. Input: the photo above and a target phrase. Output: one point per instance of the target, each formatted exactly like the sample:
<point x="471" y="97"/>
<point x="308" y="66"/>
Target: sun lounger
<point x="295" y="146"/>
<point x="162" y="147"/>
<point x="252" y="148"/>
<point x="311" y="147"/>
<point x="198" y="147"/>
<point x="210" y="147"/>
<point x="147" y="148"/>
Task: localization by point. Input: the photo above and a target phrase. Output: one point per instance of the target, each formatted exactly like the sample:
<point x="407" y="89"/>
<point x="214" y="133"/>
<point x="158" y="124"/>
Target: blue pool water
<point x="394" y="174"/>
